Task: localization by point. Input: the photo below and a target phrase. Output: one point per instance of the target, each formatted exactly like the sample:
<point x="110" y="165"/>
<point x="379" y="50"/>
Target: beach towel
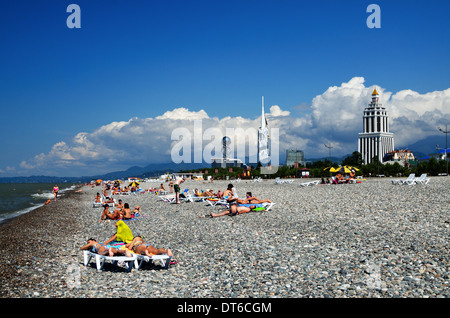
<point x="124" y="233"/>
<point x="257" y="205"/>
<point x="115" y="244"/>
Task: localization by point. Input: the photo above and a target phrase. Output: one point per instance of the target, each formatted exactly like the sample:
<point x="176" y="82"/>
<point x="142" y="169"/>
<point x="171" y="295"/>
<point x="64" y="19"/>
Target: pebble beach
<point x="367" y="240"/>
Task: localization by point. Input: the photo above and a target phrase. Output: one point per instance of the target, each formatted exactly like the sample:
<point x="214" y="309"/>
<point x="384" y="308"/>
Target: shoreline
<point x="6" y="217"/>
<point x="320" y="241"/>
<point x="27" y="240"/>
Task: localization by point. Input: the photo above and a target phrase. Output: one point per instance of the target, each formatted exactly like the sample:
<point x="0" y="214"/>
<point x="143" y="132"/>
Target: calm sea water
<point x="20" y="198"/>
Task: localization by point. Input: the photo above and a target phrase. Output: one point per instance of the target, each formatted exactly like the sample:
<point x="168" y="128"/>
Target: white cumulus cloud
<point x="335" y="116"/>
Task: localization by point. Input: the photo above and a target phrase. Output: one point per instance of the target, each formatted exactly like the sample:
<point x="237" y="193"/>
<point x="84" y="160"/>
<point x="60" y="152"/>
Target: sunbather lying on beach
<point x="251" y="199"/>
<point x="95" y="247"/>
<point x="139" y="246"/>
<point x="204" y="193"/>
<point x="233" y="210"/>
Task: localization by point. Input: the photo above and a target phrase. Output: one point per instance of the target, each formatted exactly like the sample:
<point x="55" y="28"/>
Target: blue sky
<point x="144" y="58"/>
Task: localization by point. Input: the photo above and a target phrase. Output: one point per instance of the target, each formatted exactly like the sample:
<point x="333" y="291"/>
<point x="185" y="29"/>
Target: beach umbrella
<point x="133" y="184"/>
<point x="342" y="169"/>
<point x="328" y="169"/>
<point x="352" y="168"/>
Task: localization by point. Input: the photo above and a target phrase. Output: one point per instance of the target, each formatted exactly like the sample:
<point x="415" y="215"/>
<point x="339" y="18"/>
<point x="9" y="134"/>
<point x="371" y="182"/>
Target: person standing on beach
<point x="55" y="191"/>
<point x="176" y="186"/>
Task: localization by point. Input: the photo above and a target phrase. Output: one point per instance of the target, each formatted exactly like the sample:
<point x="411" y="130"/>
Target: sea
<point x="21" y="198"/>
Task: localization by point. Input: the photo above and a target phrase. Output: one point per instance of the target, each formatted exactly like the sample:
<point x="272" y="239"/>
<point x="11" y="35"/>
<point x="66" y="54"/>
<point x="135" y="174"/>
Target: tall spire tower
<point x="376" y="140"/>
<point x="263" y="138"/>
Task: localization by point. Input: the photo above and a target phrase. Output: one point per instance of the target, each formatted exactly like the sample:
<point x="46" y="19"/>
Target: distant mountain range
<point x="420" y="149"/>
<point x="151" y="170"/>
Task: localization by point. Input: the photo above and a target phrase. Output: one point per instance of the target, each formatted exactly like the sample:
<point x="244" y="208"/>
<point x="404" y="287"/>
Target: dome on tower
<point x="375" y="92"/>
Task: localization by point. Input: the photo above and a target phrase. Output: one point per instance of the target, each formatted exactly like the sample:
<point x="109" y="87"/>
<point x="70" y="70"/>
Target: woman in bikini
<point x="252" y="200"/>
<point x="232" y="211"/>
<point x="96" y="247"/>
<point x="55" y="191"/>
<point x="228" y="193"/>
<point x="139" y="246"/>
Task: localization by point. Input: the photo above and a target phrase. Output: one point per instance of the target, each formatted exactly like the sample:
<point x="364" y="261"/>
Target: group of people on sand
<point x="229" y="192"/>
<point x="123" y="242"/>
<point x="131" y="244"/>
<point x="340" y="178"/>
<point x="122" y="211"/>
<point x="128" y="243"/>
<point x="236" y="205"/>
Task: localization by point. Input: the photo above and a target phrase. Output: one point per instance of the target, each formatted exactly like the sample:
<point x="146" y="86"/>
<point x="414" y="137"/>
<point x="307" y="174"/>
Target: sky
<point x="109" y="95"/>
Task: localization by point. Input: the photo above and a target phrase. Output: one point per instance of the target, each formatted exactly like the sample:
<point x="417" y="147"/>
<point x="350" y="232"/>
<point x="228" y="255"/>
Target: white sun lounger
<point x="100" y="260"/>
<point x="409" y="180"/>
<point x="423" y="179"/>
<point x="194" y="198"/>
<point x="164" y="259"/>
<point x="217" y="202"/>
<point x="310" y="183"/>
<point x="167" y="198"/>
<point x="102" y="202"/>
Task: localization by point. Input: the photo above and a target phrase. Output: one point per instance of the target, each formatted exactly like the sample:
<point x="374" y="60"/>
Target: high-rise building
<point x="293" y="156"/>
<point x="376" y="140"/>
<point x="263" y="139"/>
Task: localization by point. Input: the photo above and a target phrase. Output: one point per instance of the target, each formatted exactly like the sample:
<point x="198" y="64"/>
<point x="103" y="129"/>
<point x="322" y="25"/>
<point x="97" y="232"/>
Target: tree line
<point x="317" y="169"/>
